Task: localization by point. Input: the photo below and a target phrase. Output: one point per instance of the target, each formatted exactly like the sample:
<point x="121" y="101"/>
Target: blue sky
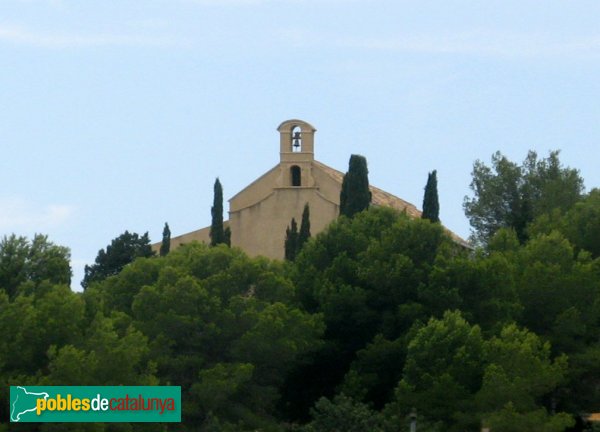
<point x="119" y="115"/>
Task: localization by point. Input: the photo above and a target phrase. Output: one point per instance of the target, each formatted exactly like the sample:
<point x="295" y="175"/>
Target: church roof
<point x="378" y="197"/>
<point x="385" y="199"/>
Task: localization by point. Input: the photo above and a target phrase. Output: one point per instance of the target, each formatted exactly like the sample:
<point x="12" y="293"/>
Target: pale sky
<point x="118" y="115"/>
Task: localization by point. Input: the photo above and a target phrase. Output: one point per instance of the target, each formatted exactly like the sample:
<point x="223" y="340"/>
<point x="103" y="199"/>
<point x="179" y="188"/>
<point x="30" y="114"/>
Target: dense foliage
<point x="379" y="317"/>
<point x="221" y="325"/>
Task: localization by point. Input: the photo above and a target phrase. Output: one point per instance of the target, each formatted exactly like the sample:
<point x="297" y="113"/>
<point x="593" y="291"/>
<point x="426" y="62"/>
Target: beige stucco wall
<point x="261" y="212"/>
<point x="260" y="229"/>
<point x="256" y="191"/>
<point x="201" y="235"/>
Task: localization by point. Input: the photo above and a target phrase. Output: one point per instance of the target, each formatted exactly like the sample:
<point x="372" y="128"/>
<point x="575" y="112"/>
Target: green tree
<point x="582" y="391"/>
<point x="443" y="372"/>
<point x="484" y="287"/>
<point x="24" y="261"/>
<point x="227" y="236"/>
<point x="165" y="246"/>
<point x="552" y="280"/>
<point x="121" y="251"/>
<point x="222" y="326"/>
<point x="558" y="290"/>
<point x="519" y="373"/>
<point x="304" y="233"/>
<point x="560" y="293"/>
<point x="217" y="234"/>
<point x="508" y="419"/>
<point x="343" y="414"/>
<point x="291" y="241"/>
<point x="117" y="294"/>
<point x="366" y="275"/>
<point x="34" y="322"/>
<point x="580" y="224"/>
<point x="431" y="205"/>
<point x="107" y="355"/>
<point x="375" y="371"/>
<point x="294" y="239"/>
<point x="511" y="195"/>
<point x="355" y="195"/>
<point x="220" y="389"/>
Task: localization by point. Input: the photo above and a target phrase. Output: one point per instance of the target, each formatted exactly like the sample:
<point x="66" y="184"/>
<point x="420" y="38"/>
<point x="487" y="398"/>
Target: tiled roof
<point x="385" y="199"/>
<point x="378" y="197"/>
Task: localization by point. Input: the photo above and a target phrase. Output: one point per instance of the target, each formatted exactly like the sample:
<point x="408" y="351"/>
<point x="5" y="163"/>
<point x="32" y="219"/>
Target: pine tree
<point x="120" y="252"/>
<point x="217" y="235"/>
<point x="291" y="241"/>
<point x="431" y="205"/>
<point x="165" y="246"/>
<point x="355" y="195"/>
<point x="304" y="233"/>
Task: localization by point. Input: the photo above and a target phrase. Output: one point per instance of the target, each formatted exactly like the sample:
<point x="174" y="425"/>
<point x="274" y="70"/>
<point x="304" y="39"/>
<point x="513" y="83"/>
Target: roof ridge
<point x="386" y="199"/>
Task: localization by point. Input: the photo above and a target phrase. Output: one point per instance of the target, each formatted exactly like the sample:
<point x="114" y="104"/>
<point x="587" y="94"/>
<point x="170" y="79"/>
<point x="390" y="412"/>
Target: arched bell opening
<point x="296" y="139"/>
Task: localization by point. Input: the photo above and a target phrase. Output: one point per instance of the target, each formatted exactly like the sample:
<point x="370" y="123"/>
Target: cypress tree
<point x="355" y="195"/>
<point x="165" y="246"/>
<point x="217" y="235"/>
<point x="304" y="233"/>
<point x="227" y="236"/>
<point x="291" y="241"/>
<point x="431" y="205"/>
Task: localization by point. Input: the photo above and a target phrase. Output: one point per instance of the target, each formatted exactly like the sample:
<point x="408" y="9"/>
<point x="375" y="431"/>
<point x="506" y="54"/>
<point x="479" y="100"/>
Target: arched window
<point x="296" y="175"/>
<point x="296" y="139"/>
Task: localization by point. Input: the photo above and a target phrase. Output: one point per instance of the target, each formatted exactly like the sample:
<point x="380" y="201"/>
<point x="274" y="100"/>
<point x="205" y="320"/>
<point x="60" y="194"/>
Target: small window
<point x="296" y="175"/>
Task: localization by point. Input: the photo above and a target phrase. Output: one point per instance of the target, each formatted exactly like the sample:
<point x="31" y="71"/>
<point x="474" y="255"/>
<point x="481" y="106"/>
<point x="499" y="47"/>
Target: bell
<point x="297" y="140"/>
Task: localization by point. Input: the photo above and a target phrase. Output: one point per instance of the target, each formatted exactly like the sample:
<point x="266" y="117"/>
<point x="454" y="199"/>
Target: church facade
<point x="260" y="213"/>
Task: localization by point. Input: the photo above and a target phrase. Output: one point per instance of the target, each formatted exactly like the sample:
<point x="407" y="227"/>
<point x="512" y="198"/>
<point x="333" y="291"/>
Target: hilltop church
<point x="260" y="213"/>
